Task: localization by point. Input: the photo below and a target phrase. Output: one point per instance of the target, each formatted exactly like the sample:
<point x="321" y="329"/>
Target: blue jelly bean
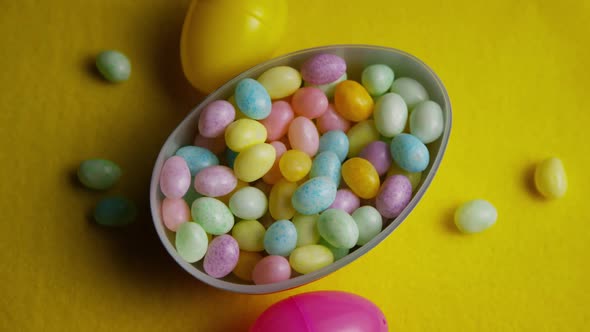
<point x="314" y="196"/>
<point x="115" y="211"/>
<point x="252" y="99"/>
<point x="230" y="157"/>
<point x="335" y="141"/>
<point x="327" y="164"/>
<point x="409" y="153"/>
<point x="280" y="238"/>
<point x="197" y="158"/>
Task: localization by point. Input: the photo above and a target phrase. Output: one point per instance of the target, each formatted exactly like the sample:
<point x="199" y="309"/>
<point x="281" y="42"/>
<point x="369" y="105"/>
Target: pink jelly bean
<point x="309" y="102"/>
<point x="331" y="120"/>
<point x="323" y="68"/>
<point x="175" y="177"/>
<point x="175" y="211"/>
<point x="215" y="117"/>
<point x="271" y="269"/>
<point x="215" y="181"/>
<point x="378" y="154"/>
<point x="274" y="175"/>
<point x="277" y="123"/>
<point x="222" y="256"/>
<point x="304" y="136"/>
<point x="346" y="200"/>
<point x="215" y="145"/>
<point x="394" y="196"/>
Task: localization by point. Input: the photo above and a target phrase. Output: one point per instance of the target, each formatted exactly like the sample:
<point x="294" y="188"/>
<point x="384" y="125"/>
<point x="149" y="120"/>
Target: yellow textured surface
<point x="517" y="74"/>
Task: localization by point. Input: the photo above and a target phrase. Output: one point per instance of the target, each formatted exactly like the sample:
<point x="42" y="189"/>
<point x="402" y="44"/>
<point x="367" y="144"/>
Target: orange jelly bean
<point x="361" y="177"/>
<point x="352" y="101"/>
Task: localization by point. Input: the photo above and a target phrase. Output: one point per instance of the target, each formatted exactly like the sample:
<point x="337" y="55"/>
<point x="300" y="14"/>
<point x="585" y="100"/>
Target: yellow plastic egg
<point x="360" y="135"/>
<point x="244" y="133"/>
<point x="352" y="101"/>
<point x="222" y="38"/>
<point x="252" y="163"/>
<point x="361" y="177"/>
<point x="281" y="81"/>
<point x="294" y="165"/>
<point x="279" y="202"/>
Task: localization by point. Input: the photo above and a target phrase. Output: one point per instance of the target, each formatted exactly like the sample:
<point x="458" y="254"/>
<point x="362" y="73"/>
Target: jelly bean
<point x="212" y="215"/>
<point x="391" y="115"/>
<point x="197" y="158"/>
<point x="361" y="177"/>
<point x="281" y="81"/>
<point x="394" y="196"/>
<point x="328" y="88"/>
<point x="314" y="195"/>
<point x="323" y="68"/>
<point x="335" y="141"/>
<point x="309" y="102"/>
<point x="225" y="199"/>
<point x="191" y="195"/>
<point x="550" y="178"/>
<point x="215" y="181"/>
<point x="331" y="120"/>
<point x="303" y="136"/>
<point x="280" y="238"/>
<point x="99" y="174"/>
<point x="249" y="234"/>
<point x="378" y="154"/>
<point x="113" y="65"/>
<point x="307" y="231"/>
<point x="294" y="165"/>
<point x="426" y="121"/>
<point x="377" y="79"/>
<point x="191" y="242"/>
<point x="253" y="163"/>
<point x="271" y="269"/>
<point x="115" y="211"/>
<point x="246" y="263"/>
<point x="475" y="216"/>
<point x="215" y="145"/>
<point x="338" y="228"/>
<point x="175" y="177"/>
<point x="248" y="203"/>
<point x="310" y="258"/>
<point x="222" y="256"/>
<point x="414" y="177"/>
<point x="409" y="153"/>
<point x="353" y="101"/>
<point x="252" y="99"/>
<point x="215" y="117"/>
<point x="337" y="252"/>
<point x="279" y="203"/>
<point x="175" y="211"/>
<point x="346" y="201"/>
<point x="277" y="123"/>
<point x="360" y="135"/>
<point x="369" y="222"/>
<point x="411" y="91"/>
<point x="244" y="133"/>
<point x="230" y="157"/>
<point x="326" y="164"/>
<point x="274" y="175"/>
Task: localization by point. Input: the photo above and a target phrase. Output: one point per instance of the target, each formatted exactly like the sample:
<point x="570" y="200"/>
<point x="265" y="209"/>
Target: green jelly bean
<point x="115" y="211"/>
<point x="337" y="252"/>
<point x="114" y="66"/>
<point x="377" y="79"/>
<point x="369" y="223"/>
<point x="475" y="216"/>
<point x="213" y="215"/>
<point x="338" y="228"/>
<point x="191" y="241"/>
<point x="99" y="174"/>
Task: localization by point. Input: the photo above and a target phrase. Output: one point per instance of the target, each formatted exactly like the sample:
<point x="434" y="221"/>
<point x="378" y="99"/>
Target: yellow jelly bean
<point x="361" y="177"/>
<point x="352" y="101"/>
<point x="244" y="133"/>
<point x="246" y="264"/>
<point x="307" y="230"/>
<point x="360" y="135"/>
<point x="281" y="81"/>
<point x="253" y="163"/>
<point x="550" y="178"/>
<point x="279" y="202"/>
<point x="249" y="234"/>
<point x="225" y="199"/>
<point x="310" y="258"/>
<point x="295" y="165"/>
<point x="413" y="177"/>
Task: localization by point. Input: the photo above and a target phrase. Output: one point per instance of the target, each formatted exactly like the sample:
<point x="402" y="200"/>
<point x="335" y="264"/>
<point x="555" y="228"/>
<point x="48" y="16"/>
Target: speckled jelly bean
<point x="244" y="133"/>
<point x="213" y="215"/>
<point x="248" y="203"/>
<point x="346" y="201"/>
<point x="328" y="88"/>
<point x="331" y="120"/>
<point x="249" y="234"/>
<point x="215" y="117"/>
<point x="277" y="123"/>
<point x="309" y="102"/>
<point x="310" y="258"/>
<point x="338" y="228"/>
<point x="391" y="115"/>
<point x="352" y="101"/>
<point x="337" y="252"/>
<point x="409" y="153"/>
<point x="279" y="203"/>
<point x="252" y="163"/>
<point x="414" y="177"/>
<point x="271" y="269"/>
<point x="304" y="136"/>
<point x="294" y="165"/>
<point x="175" y="177"/>
<point x="222" y="256"/>
<point x="410" y="90"/>
<point x="197" y="158"/>
<point x="361" y="177"/>
<point x="113" y="65"/>
<point x="369" y="222"/>
<point x="252" y="99"/>
<point x="215" y="145"/>
<point x="550" y="178"/>
<point x="274" y="174"/>
<point x="475" y="216"/>
<point x="378" y="154"/>
<point x="191" y="242"/>
<point x="281" y="81"/>
<point x="335" y="141"/>
<point x="394" y="196"/>
<point x="307" y="231"/>
<point x="314" y="196"/>
<point x="115" y="211"/>
<point x="246" y="263"/>
<point x="426" y="121"/>
<point x="323" y="68"/>
<point x="360" y="135"/>
<point x="175" y="211"/>
<point x="280" y="238"/>
<point x="377" y="79"/>
<point x="326" y="164"/>
<point x="215" y="181"/>
<point x="99" y="174"/>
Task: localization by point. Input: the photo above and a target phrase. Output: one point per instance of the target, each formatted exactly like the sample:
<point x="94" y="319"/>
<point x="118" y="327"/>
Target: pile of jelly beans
<point x="297" y="168"/>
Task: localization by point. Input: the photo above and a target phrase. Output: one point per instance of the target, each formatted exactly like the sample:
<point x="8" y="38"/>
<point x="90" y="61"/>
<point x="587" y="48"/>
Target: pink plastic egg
<point x="394" y="196"/>
<point x="175" y="211"/>
<point x="323" y="68"/>
<point x="175" y="177"/>
<point x="222" y="256"/>
<point x="215" y="145"/>
<point x="346" y="200"/>
<point x="274" y="175"/>
<point x="331" y="120"/>
<point x="215" y="181"/>
<point x="304" y="136"/>
<point x="378" y="154"/>
<point x="309" y="102"/>
<point x="277" y="123"/>
<point x="215" y="117"/>
<point x="271" y="269"/>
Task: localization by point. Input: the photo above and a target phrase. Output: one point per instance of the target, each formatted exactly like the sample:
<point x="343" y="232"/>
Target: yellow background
<point x="516" y="72"/>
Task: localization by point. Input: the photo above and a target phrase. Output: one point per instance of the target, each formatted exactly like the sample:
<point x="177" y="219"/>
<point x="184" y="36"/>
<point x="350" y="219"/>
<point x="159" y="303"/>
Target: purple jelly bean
<point x="323" y="68"/>
<point x="222" y="256"/>
<point x="346" y="200"/>
<point x="394" y="196"/>
<point x="378" y="154"/>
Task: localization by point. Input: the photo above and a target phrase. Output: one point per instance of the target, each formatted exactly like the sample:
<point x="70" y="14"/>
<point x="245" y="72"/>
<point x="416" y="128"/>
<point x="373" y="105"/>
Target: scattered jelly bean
<point x="252" y="99"/>
<point x="246" y="263"/>
<point x="115" y="211"/>
<point x="197" y="158"/>
<point x="215" y="145"/>
<point x="409" y="153"/>
<point x="346" y="201"/>
<point x="215" y="117"/>
<point x="377" y="79"/>
<point x="175" y="211"/>
<point x="394" y="196"/>
<point x="328" y="88"/>
<point x="361" y="177"/>
<point x="248" y="203"/>
<point x="323" y="68"/>
<point x="304" y="136"/>
<point x="244" y="133"/>
<point x="338" y="228"/>
<point x="280" y="238"/>
<point x="230" y="157"/>
<point x="335" y="141"/>
<point x="175" y="177"/>
<point x="281" y="81"/>
<point x="277" y="123"/>
<point x="309" y="102"/>
<point x="550" y="178"/>
<point x="310" y="258"/>
<point x="114" y="66"/>
<point x="307" y="231"/>
<point x="327" y="164"/>
<point x="411" y="91"/>
<point x="215" y="181"/>
<point x="337" y="252"/>
<point x="212" y="215"/>
<point x="331" y="120"/>
<point x="99" y="174"/>
<point x="249" y="234"/>
<point x="378" y="154"/>
<point x="314" y="195"/>
<point x="271" y="269"/>
<point x="475" y="216"/>
<point x="391" y="115"/>
<point x="254" y="162"/>
<point x="274" y="174"/>
<point x="352" y="101"/>
<point x="414" y="177"/>
<point x="222" y="256"/>
<point x="295" y="165"/>
<point x="279" y="203"/>
<point x="191" y="242"/>
<point x="360" y="135"/>
<point x="369" y="222"/>
<point x="426" y="121"/>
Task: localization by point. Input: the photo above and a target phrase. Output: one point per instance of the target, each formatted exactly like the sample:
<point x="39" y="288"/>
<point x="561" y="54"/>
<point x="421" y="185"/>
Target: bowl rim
<point x="316" y="275"/>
